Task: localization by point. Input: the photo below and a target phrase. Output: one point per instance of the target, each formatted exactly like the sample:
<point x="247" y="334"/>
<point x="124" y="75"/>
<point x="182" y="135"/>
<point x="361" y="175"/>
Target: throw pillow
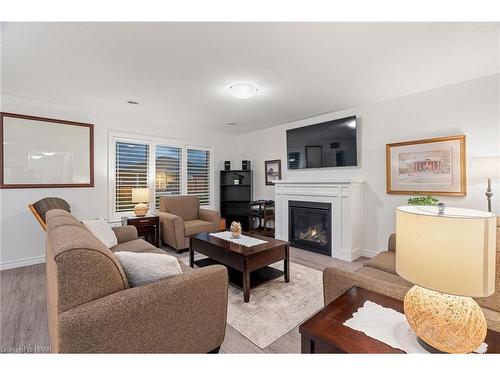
<point x="102" y="230"/>
<point x="143" y="268"/>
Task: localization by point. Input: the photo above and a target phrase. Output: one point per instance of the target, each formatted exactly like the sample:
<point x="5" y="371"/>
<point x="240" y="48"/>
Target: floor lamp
<point x="488" y="168"/>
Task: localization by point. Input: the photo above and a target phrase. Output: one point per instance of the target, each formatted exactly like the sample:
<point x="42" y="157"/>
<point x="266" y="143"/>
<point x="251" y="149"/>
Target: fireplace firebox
<point x="309" y="226"/>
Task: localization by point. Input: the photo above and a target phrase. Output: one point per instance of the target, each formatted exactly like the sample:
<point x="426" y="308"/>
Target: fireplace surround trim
<point x="345" y="197"/>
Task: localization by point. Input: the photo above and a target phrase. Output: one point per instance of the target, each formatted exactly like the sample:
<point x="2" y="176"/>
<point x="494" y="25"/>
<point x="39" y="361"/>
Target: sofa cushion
<point x="102" y="230"/>
<point x="185" y="206"/>
<point x="143" y="268"/>
<point x="197" y="226"/>
<point x="384" y="261"/>
<point x="135" y="246"/>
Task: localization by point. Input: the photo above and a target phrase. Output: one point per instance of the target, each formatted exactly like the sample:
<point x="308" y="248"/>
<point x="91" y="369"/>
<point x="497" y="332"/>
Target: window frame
<point x="152" y="141"/>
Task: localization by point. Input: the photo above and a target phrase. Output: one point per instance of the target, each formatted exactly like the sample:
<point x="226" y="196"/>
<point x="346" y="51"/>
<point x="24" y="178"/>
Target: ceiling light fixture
<point x="231" y="123"/>
<point x="243" y="90"/>
<point x="132" y="102"/>
<point x="48" y="153"/>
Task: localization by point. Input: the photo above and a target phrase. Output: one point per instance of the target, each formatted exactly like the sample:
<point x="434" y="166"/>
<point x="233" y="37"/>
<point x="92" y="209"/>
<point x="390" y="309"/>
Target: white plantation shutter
<point x="131" y="171"/>
<point x="198" y="174"/>
<point x="168" y="172"/>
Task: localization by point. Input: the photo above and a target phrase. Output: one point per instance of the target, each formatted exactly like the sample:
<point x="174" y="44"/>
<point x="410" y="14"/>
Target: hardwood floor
<point x="23" y="312"/>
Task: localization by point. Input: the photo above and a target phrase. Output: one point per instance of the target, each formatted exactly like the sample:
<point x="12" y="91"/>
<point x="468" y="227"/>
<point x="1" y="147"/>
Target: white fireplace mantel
<point x="345" y="197"/>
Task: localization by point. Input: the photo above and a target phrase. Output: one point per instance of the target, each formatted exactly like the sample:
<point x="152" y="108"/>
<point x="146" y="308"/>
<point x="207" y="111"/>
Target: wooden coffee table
<point x="248" y="267"/>
<point x="325" y="332"/>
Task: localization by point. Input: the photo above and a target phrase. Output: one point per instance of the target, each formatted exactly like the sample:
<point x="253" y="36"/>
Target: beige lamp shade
<point x="452" y="253"/>
<point x="140" y="195"/>
<point x="486" y="167"/>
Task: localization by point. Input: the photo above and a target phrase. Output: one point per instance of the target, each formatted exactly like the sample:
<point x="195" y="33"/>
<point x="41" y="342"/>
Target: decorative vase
<point x="235" y="229"/>
<point x="236" y="182"/>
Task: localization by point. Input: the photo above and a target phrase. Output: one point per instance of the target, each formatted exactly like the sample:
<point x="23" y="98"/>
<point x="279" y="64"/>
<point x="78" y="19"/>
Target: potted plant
<point x="427" y="200"/>
<point x="237" y="178"/>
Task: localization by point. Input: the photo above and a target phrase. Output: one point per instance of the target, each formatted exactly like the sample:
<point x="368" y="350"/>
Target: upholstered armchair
<point x="182" y="217"/>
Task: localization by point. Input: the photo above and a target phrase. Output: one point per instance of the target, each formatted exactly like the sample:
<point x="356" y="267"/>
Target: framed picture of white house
<point x="428" y="166"/>
<point x="40" y="152"/>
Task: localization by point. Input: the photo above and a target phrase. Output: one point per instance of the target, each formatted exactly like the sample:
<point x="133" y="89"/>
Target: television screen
<point x="328" y="144"/>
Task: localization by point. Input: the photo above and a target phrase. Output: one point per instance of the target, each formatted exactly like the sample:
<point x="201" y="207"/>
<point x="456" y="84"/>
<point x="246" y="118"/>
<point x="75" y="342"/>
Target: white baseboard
<point x="368" y="253"/>
<point x="22" y="262"/>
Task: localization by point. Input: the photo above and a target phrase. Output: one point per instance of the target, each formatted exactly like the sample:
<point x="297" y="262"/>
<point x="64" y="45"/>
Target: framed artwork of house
<point x="39" y="152"/>
<point x="428" y="166"/>
<point x="273" y="171"/>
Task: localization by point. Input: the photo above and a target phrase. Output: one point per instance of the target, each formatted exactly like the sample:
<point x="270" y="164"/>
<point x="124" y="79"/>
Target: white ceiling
<point x="181" y="71"/>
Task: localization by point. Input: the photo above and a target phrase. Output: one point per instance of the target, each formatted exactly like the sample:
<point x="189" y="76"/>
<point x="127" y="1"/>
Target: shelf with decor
<point x="261" y="217"/>
<point x="235" y="196"/>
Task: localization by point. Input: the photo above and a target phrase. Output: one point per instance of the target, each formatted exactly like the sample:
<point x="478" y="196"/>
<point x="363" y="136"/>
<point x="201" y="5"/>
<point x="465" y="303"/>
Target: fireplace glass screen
<point x="310" y="226"/>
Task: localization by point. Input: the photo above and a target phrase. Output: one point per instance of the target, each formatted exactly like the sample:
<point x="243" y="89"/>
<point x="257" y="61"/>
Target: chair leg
<point x="215" y="351"/>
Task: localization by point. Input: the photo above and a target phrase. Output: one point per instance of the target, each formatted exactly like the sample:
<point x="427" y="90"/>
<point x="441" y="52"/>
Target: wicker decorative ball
<point x="449" y="323"/>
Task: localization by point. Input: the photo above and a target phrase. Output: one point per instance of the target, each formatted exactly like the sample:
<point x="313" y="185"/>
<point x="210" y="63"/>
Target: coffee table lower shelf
<point x="257" y="277"/>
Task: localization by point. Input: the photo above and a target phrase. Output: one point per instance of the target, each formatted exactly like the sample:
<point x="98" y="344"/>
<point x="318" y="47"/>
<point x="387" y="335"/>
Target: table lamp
<point x="449" y="254"/>
<point x="488" y="168"/>
<point x="141" y="197"/>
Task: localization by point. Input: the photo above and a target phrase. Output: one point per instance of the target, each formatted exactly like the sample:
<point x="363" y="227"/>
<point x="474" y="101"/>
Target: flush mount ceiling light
<point x="231" y="123"/>
<point x="243" y="90"/>
<point x="132" y="102"/>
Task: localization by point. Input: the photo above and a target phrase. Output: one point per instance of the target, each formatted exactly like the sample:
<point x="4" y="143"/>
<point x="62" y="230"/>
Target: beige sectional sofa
<point x="379" y="275"/>
<point x="92" y="308"/>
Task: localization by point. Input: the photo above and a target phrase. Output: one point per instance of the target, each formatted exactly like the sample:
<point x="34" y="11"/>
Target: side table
<point x="147" y="226"/>
<point x="325" y="332"/>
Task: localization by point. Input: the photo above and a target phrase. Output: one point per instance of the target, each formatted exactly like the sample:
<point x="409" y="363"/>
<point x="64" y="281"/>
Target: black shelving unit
<point x="235" y="198"/>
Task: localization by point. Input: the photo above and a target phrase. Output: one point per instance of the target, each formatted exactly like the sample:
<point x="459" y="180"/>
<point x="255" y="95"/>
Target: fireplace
<point x="309" y="226"/>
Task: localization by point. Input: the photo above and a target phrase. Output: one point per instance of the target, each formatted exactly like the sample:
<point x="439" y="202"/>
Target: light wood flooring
<point x="23" y="313"/>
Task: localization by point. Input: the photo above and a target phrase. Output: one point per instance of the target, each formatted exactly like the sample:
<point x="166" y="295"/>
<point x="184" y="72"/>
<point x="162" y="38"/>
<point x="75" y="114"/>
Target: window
<point x="168" y="172"/>
<point x="131" y="171"/>
<point x="198" y="174"/>
<point x="166" y="168"/>
<point x="293" y="160"/>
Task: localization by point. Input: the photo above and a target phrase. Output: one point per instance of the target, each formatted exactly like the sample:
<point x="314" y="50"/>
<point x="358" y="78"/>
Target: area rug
<point x="277" y="307"/>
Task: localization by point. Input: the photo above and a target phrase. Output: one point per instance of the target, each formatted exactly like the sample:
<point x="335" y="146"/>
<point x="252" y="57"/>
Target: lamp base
<point x="141" y="209"/>
<point x="445" y="322"/>
<point x="428" y="347"/>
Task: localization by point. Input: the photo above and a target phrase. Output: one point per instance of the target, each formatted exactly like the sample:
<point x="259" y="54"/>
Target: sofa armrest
<point x="172" y="229"/>
<point x="335" y="283"/>
<point x="125" y="233"/>
<point x="209" y="215"/>
<point x="391" y="246"/>
<point x="180" y="314"/>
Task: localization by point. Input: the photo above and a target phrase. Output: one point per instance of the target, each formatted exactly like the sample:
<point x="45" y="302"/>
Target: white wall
<point x="22" y="239"/>
<point x="470" y="108"/>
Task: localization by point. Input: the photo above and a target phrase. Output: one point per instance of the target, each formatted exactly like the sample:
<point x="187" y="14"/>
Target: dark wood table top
<point x="240" y="249"/>
<point x="327" y="324"/>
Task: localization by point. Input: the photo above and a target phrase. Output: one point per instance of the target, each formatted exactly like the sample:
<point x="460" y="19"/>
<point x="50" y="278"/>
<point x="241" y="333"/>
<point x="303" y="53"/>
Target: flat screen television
<point x="327" y="144"/>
